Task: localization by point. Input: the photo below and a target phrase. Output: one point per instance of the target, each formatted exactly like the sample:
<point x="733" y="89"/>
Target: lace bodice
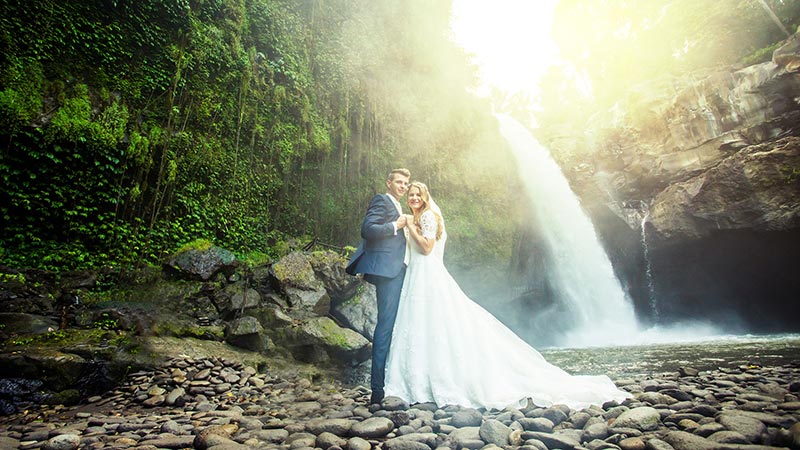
<point x="428" y="224"/>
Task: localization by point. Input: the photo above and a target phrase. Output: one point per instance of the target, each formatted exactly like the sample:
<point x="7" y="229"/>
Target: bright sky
<point x="509" y="38"/>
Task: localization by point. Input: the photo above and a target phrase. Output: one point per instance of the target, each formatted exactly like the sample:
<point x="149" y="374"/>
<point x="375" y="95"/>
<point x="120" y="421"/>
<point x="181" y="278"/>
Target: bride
<point x="448" y="350"/>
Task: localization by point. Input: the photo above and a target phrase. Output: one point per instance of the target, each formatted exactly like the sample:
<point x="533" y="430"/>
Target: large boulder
<point x="320" y="339"/>
<point x="360" y="312"/>
<point x="55" y="369"/>
<point x="236" y="299"/>
<point x="329" y="268"/>
<point x="25" y="324"/>
<point x="201" y="263"/>
<point x="305" y="293"/>
<point x="246" y="332"/>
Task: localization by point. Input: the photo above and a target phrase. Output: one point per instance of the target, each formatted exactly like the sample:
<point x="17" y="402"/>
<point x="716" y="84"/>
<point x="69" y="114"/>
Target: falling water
<point x="651" y="289"/>
<point x="592" y="301"/>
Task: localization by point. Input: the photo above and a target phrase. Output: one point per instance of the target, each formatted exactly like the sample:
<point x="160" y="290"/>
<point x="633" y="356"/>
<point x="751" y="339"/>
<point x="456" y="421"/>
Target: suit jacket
<point x="381" y="251"/>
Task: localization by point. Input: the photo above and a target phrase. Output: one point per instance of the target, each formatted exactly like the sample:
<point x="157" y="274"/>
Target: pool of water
<point x="726" y="351"/>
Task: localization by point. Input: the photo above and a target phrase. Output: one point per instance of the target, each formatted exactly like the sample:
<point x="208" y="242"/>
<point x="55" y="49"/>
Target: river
<point x="729" y="351"/>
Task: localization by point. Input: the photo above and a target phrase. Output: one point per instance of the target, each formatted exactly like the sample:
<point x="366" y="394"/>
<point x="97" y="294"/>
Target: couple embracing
<point x="432" y="343"/>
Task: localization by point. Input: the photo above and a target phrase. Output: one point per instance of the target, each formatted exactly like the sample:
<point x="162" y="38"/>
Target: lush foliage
<point x="131" y="128"/>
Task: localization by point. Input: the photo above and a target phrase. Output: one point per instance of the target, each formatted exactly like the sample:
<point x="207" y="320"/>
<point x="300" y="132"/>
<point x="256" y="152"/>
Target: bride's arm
<point x="420" y="234"/>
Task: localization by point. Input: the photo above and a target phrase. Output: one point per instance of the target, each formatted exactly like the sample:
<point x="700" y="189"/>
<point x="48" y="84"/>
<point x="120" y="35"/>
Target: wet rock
<point x="339" y="427"/>
<point x="329" y="269"/>
<point x="179" y="442"/>
<point x="633" y="443"/>
<point x="467" y="437"/>
<point x="391" y="403"/>
<point x="247" y="332"/>
<point x="677" y="394"/>
<point x="213" y="435"/>
<point x="553" y="440"/>
<point x="326" y="440"/>
<point x="535" y="444"/>
<point x="359" y="312"/>
<point x="728" y="437"/>
<point x="201" y="264"/>
<point x="305" y="292"/>
<point x="236" y="300"/>
<point x="402" y="418"/>
<point x="26" y="324"/>
<point x="467" y="417"/>
<point x="750" y="428"/>
<point x="413" y="441"/>
<point x="643" y="418"/>
<point x="319" y="338"/>
<point x="537" y="424"/>
<point x="405" y="444"/>
<point x="373" y="427"/>
<point x="494" y="432"/>
<point x="688" y="371"/>
<point x="62" y="442"/>
<point x="302" y="439"/>
<point x="357" y="443"/>
<point x="595" y="431"/>
<point x="175" y="397"/>
<point x="276" y="436"/>
<point x="555" y="414"/>
<point x="579" y="419"/>
<point x="708" y="429"/>
<point x="656" y="398"/>
<point x="705" y="410"/>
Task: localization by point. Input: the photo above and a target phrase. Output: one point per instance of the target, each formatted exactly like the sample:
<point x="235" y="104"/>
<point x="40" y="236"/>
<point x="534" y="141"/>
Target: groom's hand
<point x="401" y="222"/>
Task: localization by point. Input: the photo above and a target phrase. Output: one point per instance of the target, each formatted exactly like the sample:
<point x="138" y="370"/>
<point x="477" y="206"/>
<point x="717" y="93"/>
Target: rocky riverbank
<point x="216" y="403"/>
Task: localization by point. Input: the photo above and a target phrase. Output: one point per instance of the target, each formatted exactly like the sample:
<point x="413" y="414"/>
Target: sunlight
<point x="510" y="41"/>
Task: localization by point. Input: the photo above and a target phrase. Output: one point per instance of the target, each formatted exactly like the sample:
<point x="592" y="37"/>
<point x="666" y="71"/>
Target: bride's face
<point x="415" y="198"/>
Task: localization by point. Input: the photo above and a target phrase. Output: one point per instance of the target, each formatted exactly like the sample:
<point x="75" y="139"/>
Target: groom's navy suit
<point x="380" y="257"/>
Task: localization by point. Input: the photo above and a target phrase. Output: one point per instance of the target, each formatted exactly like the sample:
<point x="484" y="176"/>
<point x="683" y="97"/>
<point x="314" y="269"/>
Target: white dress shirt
<point x="405" y="230"/>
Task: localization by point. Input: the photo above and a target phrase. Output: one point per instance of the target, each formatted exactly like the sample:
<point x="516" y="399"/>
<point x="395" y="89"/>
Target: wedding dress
<point x="448" y="350"/>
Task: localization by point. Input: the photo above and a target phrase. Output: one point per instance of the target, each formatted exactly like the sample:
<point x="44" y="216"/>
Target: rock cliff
<point x="698" y="179"/>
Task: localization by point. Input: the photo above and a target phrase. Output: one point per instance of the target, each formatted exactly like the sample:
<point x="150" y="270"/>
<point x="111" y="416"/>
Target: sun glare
<point x="509" y="39"/>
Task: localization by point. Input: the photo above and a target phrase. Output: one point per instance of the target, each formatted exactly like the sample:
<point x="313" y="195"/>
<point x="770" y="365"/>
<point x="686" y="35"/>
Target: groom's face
<point x="398" y="185"/>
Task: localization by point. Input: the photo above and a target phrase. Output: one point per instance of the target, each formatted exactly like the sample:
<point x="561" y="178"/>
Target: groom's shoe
<point x="377" y="397"/>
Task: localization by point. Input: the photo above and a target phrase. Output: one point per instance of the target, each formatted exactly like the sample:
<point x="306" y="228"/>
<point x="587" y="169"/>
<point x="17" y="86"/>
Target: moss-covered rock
<point x="329" y="268"/>
<point x="295" y="270"/>
<point x="56" y="370"/>
<point x="321" y="336"/>
<point x="24" y="324"/>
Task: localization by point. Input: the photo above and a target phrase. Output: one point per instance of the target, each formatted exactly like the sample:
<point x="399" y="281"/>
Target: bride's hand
<point x="410" y="220"/>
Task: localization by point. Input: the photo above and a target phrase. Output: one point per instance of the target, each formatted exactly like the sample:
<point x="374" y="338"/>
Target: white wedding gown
<point x="448" y="350"/>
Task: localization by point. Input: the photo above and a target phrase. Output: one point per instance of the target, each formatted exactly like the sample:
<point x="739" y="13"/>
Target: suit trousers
<point x="387" y="291"/>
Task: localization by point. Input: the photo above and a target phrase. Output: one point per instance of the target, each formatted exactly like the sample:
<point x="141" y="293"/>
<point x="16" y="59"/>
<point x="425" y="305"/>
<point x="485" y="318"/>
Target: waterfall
<point x="651" y="288"/>
<point x="591" y="308"/>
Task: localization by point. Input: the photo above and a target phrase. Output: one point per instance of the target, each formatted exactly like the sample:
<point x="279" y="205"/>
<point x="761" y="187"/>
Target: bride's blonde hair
<point x="426" y="205"/>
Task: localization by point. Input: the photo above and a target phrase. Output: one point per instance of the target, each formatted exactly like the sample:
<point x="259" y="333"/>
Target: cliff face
<point x="698" y="179"/>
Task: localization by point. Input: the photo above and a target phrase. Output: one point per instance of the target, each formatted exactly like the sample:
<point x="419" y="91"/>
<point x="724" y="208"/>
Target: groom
<point x="382" y="258"/>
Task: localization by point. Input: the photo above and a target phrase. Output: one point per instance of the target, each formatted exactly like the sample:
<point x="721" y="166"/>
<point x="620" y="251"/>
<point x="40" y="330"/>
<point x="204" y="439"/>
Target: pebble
<point x="218" y="404"/>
